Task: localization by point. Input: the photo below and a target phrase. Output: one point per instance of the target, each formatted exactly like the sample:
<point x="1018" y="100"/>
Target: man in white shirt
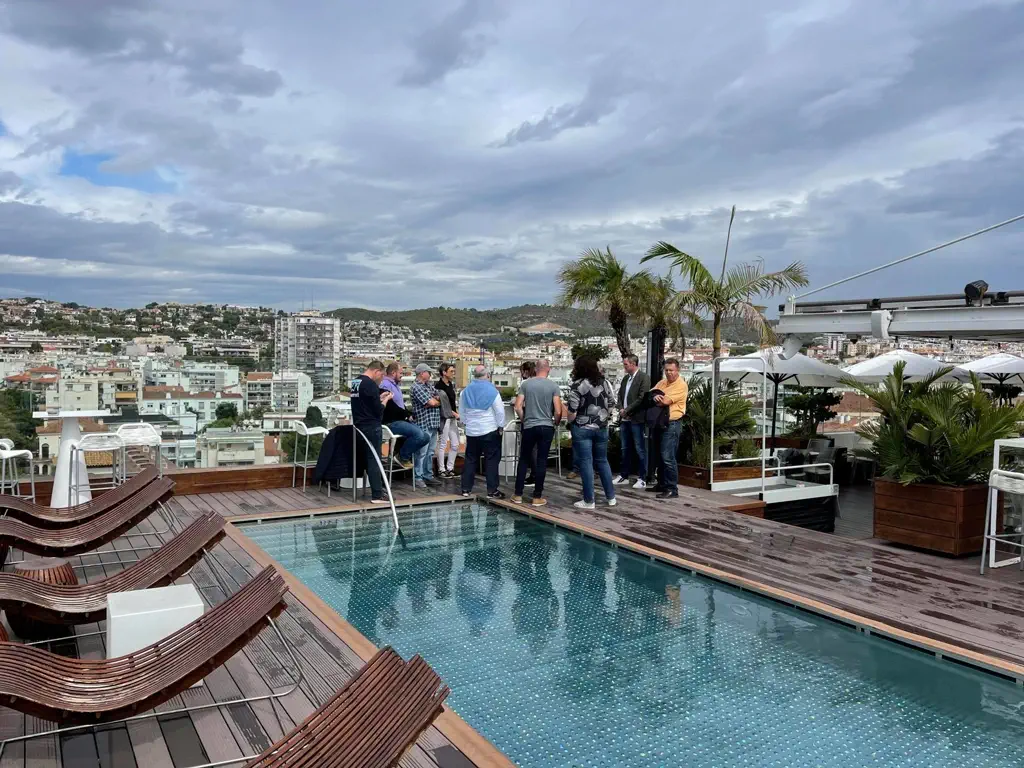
<point x="483" y="413"/>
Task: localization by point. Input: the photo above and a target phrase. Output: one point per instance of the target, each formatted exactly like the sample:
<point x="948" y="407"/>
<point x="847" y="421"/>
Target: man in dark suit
<point x="633" y="390"/>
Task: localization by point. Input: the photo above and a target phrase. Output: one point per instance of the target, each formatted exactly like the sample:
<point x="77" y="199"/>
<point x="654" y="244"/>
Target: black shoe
<point x="431" y="483"/>
<point x="654" y="489"/>
<point x="529" y="481"/>
<point x="668" y="495"/>
<point x="496" y="495"/>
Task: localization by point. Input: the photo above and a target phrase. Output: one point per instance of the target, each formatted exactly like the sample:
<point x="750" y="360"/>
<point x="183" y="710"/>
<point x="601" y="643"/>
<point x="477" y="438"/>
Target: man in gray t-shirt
<point x="539" y="408"/>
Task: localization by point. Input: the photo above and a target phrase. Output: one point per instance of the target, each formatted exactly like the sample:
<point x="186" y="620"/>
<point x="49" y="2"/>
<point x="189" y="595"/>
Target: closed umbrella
<point x="918" y="367"/>
<point x="798" y="370"/>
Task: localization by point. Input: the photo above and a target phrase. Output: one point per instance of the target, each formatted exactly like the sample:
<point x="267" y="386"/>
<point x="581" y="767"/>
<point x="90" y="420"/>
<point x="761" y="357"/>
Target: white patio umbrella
<point x="917" y="367"/>
<point x="1000" y="367"/>
<point x="798" y="370"/>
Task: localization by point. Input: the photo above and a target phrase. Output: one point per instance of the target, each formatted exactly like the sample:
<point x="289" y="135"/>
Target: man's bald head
<point x="480" y="372"/>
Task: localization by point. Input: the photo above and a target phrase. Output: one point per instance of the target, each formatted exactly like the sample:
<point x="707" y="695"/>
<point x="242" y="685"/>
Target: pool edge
<point x="470" y="742"/>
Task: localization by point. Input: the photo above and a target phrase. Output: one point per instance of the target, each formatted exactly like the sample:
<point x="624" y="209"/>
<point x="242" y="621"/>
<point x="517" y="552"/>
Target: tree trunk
<point x="619" y="321"/>
<point x="716" y="349"/>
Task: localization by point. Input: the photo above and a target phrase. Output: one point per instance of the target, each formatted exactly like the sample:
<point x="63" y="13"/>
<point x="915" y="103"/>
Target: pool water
<point x="566" y="652"/>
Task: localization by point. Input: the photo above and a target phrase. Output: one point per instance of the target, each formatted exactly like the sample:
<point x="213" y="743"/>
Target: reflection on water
<point x="565" y="652"/>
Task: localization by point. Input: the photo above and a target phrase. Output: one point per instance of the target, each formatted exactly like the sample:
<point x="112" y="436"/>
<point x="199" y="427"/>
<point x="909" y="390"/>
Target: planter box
<point x="940" y="518"/>
<point x="784" y="442"/>
<point x="700" y="477"/>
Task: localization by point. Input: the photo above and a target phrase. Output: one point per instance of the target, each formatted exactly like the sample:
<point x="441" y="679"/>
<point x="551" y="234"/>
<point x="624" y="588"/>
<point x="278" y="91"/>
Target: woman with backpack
<point x="590" y="404"/>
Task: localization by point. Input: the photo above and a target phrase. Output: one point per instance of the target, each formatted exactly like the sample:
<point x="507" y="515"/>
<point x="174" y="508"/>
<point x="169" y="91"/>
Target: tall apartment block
<point x="309" y="342"/>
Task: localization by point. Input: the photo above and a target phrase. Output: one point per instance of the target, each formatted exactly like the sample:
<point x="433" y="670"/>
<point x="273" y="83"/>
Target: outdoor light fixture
<point x="975" y="292"/>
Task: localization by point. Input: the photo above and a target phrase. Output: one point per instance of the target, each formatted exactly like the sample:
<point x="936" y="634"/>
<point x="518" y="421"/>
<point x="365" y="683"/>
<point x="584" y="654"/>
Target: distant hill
<point x="448" y="322"/>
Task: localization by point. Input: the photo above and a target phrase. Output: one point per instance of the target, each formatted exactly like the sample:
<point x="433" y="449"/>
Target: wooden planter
<point x="940" y="518"/>
<point x="700" y="477"/>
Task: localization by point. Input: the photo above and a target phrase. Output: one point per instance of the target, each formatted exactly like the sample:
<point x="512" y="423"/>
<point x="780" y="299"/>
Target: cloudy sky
<point x="405" y="153"/>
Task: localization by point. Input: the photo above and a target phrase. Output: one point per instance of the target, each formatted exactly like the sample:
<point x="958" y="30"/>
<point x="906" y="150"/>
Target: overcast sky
<point x="404" y="153"/>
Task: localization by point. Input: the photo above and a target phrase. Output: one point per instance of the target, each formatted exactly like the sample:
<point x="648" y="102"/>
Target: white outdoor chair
<point x="96" y="443"/>
<point x="1010" y="483"/>
<point x="10" y="482"/>
<point x="142" y="434"/>
<point x="301" y="430"/>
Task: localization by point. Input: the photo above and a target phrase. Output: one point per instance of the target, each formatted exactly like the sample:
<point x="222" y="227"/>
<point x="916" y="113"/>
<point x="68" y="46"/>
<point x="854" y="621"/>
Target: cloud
<point x="383" y="155"/>
<point x="449" y="45"/>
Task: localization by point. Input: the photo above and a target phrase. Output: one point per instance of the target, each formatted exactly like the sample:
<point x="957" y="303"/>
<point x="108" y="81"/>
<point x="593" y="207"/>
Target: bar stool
<point x="1007" y="482"/>
<point x="301" y="430"/>
<point x="142" y="434"/>
<point x="10" y="483"/>
<point x="96" y="443"/>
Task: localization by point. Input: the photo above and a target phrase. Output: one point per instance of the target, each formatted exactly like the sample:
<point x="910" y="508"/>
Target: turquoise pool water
<point x="566" y="652"/>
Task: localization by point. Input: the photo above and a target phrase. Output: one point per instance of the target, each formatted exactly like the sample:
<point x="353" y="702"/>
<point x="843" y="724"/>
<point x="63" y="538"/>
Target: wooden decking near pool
<point x="936" y="602"/>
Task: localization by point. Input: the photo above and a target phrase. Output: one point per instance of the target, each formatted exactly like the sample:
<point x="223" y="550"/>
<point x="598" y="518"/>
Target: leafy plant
<point x="932" y="432"/>
<point x="732" y="420"/>
<point x="811" y="407"/>
<point x="732" y="294"/>
<point x="745" y="448"/>
<point x="598" y="280"/>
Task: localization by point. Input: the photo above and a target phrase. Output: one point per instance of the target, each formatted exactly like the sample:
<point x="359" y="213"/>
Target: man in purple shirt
<point x="415" y="437"/>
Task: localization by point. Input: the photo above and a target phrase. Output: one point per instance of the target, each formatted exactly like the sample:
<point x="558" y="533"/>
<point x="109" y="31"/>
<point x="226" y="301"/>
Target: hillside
<point x="448" y="322"/>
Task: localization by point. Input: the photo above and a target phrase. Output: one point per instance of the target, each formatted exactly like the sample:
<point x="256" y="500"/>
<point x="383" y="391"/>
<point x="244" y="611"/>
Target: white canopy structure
<point x="798" y="370"/>
<point x="1001" y="367"/>
<point x="917" y="367"/>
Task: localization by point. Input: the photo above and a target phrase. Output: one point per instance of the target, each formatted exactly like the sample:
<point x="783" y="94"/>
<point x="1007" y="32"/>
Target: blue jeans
<point x="592" y="450"/>
<point x="634" y="449"/>
<point x="668" y="467"/>
<point x="415" y="438"/>
<point x="424" y="460"/>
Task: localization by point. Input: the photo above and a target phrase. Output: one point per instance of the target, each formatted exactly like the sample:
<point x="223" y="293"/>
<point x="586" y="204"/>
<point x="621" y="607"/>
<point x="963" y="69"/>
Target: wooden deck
<point x="328" y="649"/>
<point x="936" y="602"/>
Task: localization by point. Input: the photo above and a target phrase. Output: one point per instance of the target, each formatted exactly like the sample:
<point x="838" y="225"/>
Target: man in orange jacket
<point x="673" y="394"/>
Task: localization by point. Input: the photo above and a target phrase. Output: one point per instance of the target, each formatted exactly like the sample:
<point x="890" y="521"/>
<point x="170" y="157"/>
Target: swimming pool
<point x="565" y="652"/>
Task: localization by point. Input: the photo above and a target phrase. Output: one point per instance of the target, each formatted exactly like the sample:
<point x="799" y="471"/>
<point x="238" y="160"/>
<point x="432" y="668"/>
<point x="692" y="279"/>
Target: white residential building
<point x="311" y="343"/>
<point x="225" y="348"/>
<point x="287" y="391"/>
<point x="176" y="403"/>
<point x="231" y="448"/>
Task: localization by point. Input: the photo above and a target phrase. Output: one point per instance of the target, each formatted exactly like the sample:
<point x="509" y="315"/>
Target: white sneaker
<point x="640" y="484"/>
<point x="620" y="480"/>
<point x="581" y="504"/>
<point x="613" y="502"/>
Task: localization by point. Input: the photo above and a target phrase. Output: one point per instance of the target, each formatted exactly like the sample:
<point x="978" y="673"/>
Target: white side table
<point x="141" y="618"/>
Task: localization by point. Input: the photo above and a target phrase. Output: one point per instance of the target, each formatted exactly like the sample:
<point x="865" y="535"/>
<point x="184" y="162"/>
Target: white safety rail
<point x="375" y="452"/>
<point x="764" y="419"/>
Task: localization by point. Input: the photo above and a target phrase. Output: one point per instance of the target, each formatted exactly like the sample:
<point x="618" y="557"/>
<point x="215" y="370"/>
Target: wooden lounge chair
<point x="51" y="517"/>
<point x="370" y="723"/>
<point x="87" y="691"/>
<point x="85" y="536"/>
<point x="85" y="603"/>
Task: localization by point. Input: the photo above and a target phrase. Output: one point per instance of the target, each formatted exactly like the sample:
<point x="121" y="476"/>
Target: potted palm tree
<point x="933" y="449"/>
<point x="733" y="425"/>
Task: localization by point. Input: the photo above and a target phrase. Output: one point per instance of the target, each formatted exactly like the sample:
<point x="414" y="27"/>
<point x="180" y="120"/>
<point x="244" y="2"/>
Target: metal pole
<point x="355" y="459"/>
<point x="714" y="398"/>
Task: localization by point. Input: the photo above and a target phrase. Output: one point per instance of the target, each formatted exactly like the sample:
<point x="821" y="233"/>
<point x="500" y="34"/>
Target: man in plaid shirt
<point x="426" y="408"/>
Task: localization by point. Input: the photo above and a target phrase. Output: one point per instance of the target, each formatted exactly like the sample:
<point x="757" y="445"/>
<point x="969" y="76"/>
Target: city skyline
<point x="370" y="156"/>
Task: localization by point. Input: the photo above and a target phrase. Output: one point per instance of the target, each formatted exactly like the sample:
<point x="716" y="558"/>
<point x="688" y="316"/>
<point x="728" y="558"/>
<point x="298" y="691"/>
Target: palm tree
<point x="731" y="295"/>
<point x="653" y="302"/>
<point x="598" y="280"/>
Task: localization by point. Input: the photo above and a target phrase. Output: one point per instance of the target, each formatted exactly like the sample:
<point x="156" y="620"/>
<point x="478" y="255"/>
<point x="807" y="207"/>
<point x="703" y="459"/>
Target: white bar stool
<point x="10" y="483"/>
<point x="142" y="434"/>
<point x="1007" y="482"/>
<point x="96" y="443"/>
<point x="301" y="430"/>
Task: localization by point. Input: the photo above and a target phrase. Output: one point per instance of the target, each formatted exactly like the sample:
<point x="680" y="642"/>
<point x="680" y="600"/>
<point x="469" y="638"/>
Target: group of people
<point x="430" y="427"/>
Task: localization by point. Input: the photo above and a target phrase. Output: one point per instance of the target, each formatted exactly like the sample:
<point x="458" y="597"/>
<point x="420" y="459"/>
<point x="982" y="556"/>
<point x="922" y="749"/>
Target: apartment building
<point x="183" y="407"/>
<point x="311" y="343"/>
<point x="230" y="448"/>
<point x="225" y="348"/>
<point x="286" y="391"/>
